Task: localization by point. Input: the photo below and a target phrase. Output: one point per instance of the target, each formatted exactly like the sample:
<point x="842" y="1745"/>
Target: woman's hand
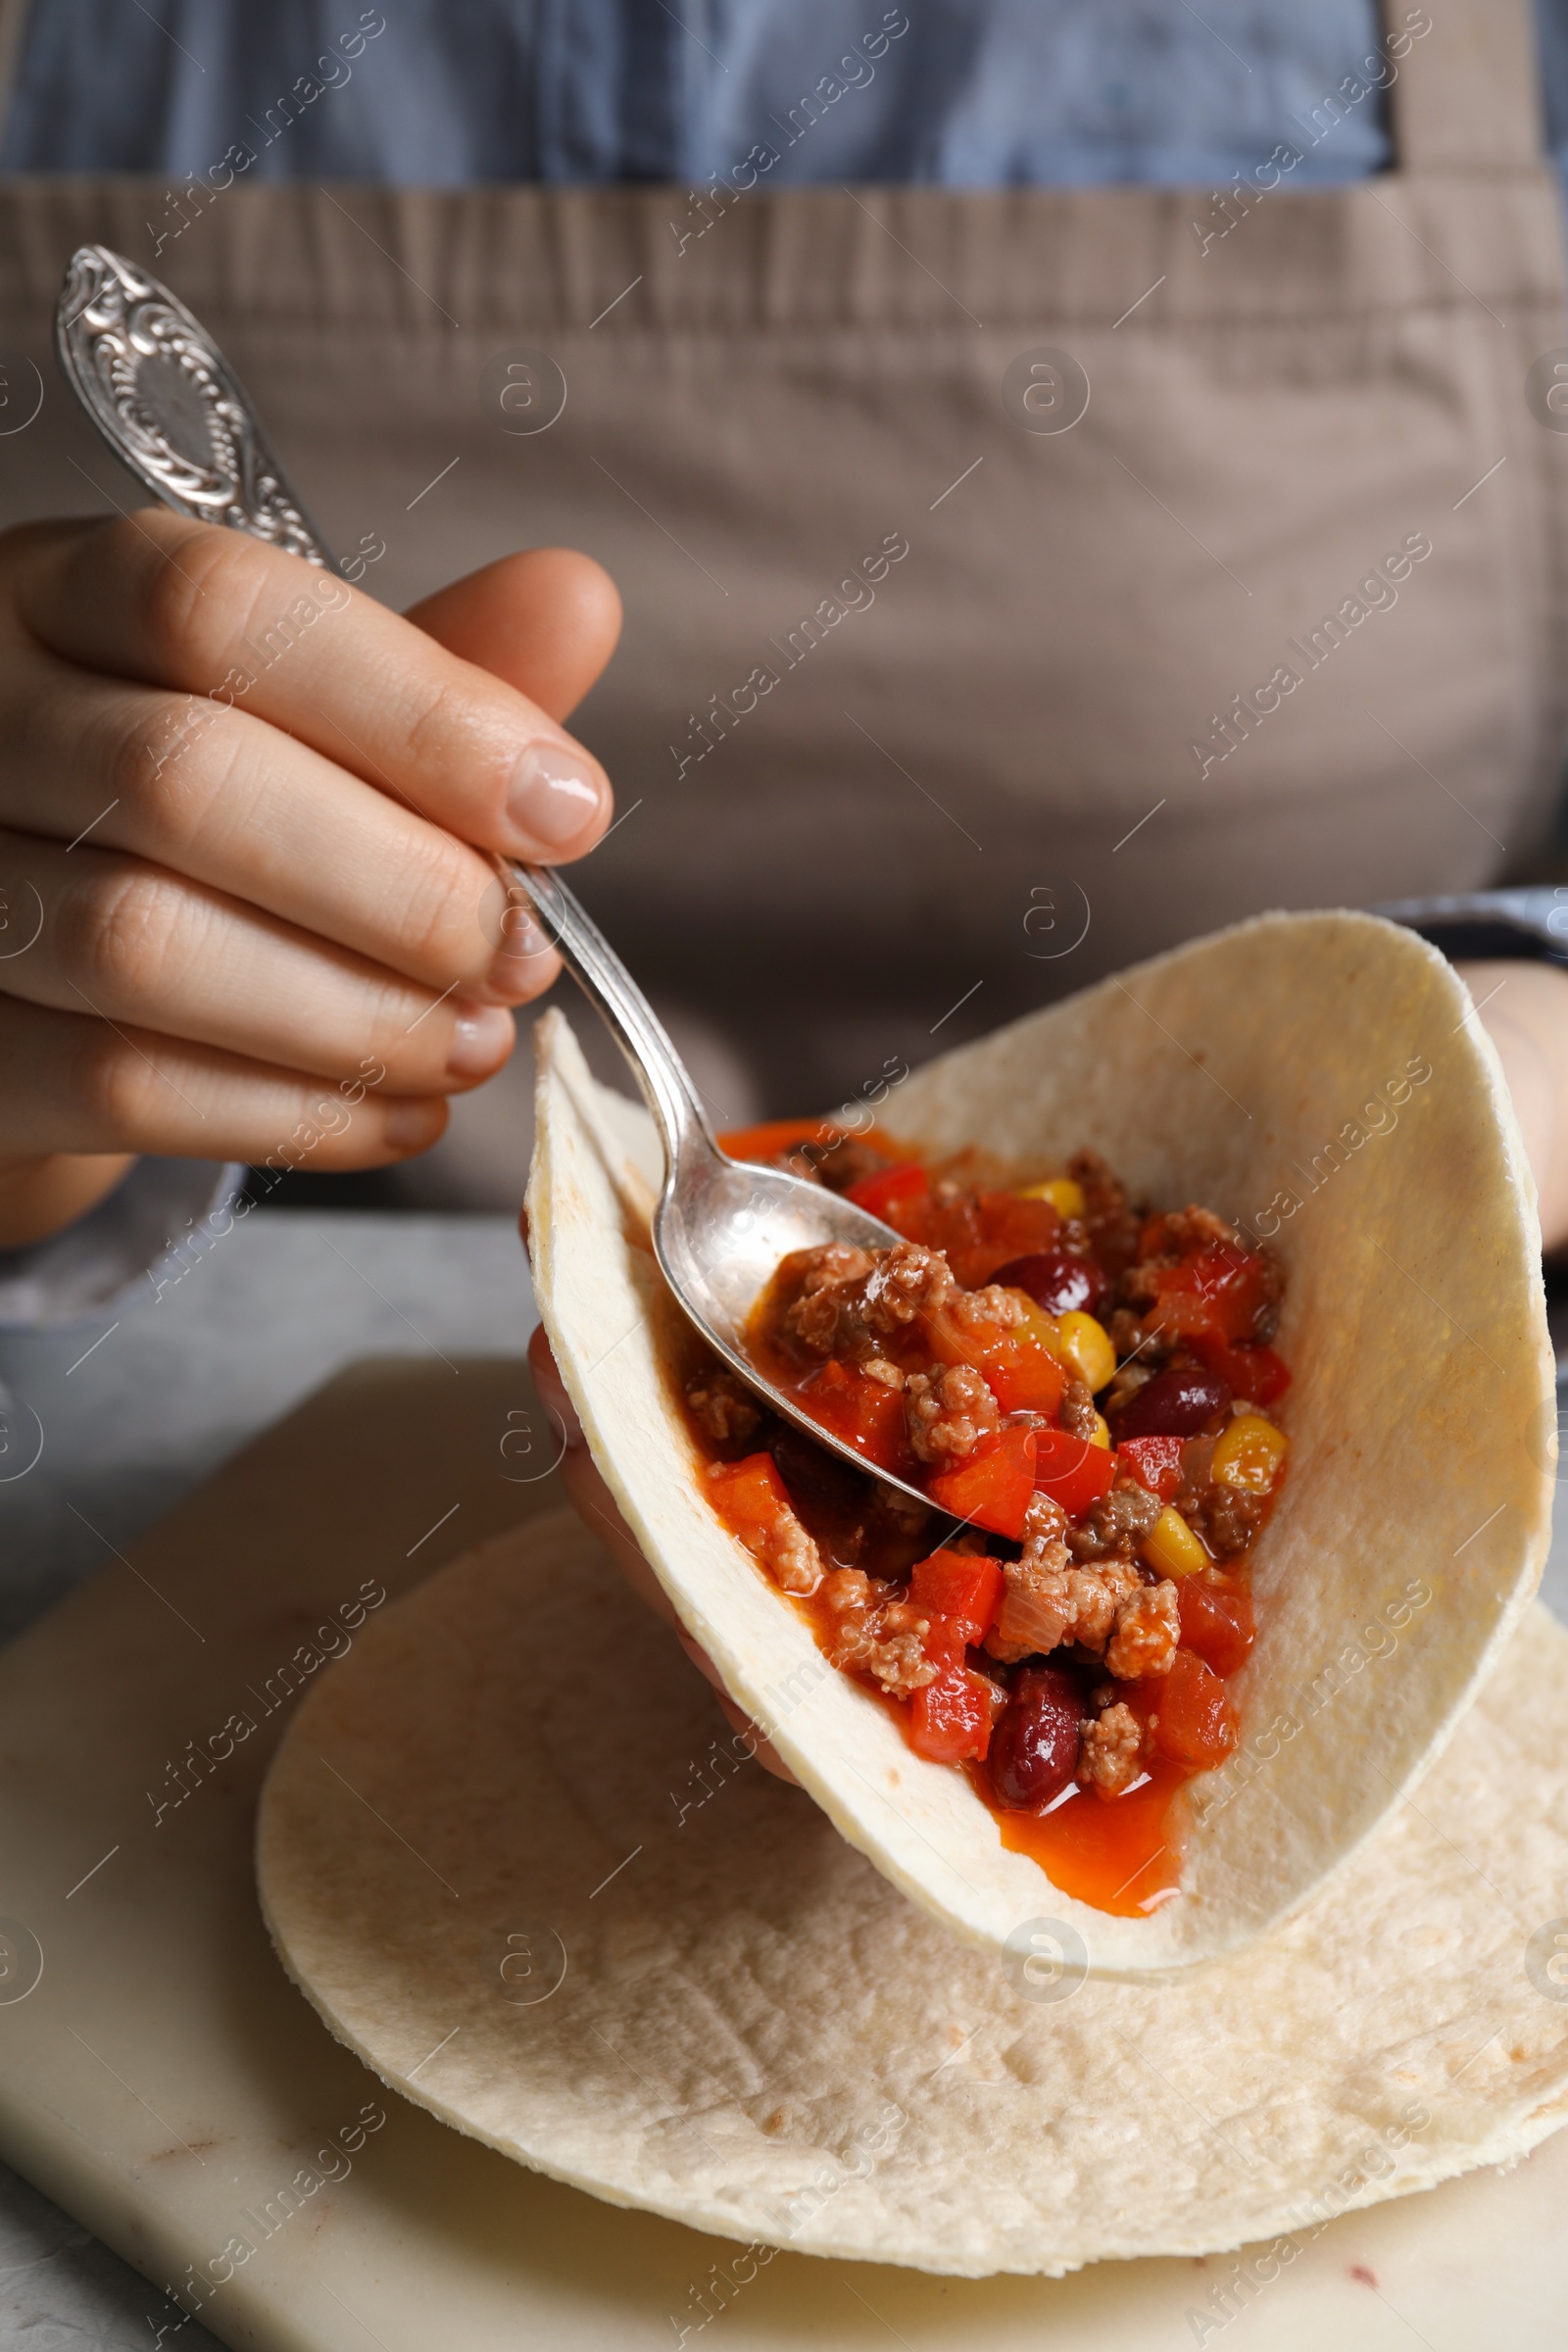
<point x="1524" y="1008"/>
<point x="599" y="1512"/>
<point x="246" y="910"/>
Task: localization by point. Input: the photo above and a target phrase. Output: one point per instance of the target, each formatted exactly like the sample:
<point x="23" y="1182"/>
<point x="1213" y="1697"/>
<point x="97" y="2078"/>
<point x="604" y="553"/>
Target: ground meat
<point x="1077" y="1409"/>
<point x="847" y="1300"/>
<point x="906" y="1280"/>
<point x="1043" y="1608"/>
<point x="901" y="1665"/>
<point x="791" y="1557"/>
<point x="723" y="1404"/>
<point x="825" y="1316"/>
<point x="1148" y="1631"/>
<point x="1227" y="1517"/>
<point x="1109" y="1219"/>
<point x="947" y="1412"/>
<point x="877" y="1367"/>
<point x="1189" y="1230"/>
<point x="1116" y="1524"/>
<point x="1046" y="1601"/>
<point x="986" y="1311"/>
<point x="1045" y="1524"/>
<point x="875" y="1632"/>
<point x="1109" y="1750"/>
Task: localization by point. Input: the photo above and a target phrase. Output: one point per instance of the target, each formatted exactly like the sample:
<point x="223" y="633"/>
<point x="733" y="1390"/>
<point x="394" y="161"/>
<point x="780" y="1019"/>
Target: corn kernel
<point x="1038" y="1326"/>
<point x="1102" y="1436"/>
<point x="1065" y="1196"/>
<point x="1171" y="1545"/>
<point x="1085" y="1346"/>
<point x="1251" y="1454"/>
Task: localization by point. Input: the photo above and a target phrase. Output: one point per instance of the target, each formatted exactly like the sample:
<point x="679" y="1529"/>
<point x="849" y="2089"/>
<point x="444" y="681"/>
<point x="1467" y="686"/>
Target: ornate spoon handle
<point x="174" y="412"/>
<point x="169" y="406"/>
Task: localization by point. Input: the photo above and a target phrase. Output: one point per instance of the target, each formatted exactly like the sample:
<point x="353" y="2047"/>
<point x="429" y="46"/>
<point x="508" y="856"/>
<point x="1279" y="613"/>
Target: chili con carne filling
<point x="1087" y="1387"/>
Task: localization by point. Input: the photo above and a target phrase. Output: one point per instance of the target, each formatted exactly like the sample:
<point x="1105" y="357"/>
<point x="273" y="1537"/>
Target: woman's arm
<point x="1523" y="1008"/>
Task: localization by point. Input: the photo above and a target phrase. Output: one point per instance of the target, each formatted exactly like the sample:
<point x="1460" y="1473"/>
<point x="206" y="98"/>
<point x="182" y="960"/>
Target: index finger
<point x="208" y="612"/>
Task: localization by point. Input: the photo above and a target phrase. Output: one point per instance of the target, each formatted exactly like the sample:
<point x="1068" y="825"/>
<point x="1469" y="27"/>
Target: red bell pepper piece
<point x="1255" y="1373"/>
<point x="888" y="1188"/>
<point x="994" y="1486"/>
<point x="1072" y="1471"/>
<point x="960" y="1592"/>
<point x="750" y="1496"/>
<point x="1155" y="1463"/>
<point x="860" y="1410"/>
<point x="1217" y="1622"/>
<point x="1024" y="1378"/>
<point x="951" y="1718"/>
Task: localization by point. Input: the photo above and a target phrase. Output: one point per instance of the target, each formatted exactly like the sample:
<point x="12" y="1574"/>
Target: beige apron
<point x="1187" y="658"/>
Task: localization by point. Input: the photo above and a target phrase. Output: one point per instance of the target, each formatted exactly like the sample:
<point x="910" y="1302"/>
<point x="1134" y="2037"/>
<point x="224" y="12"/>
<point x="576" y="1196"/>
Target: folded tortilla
<point x="514" y="1857"/>
<point x="1320" y="1080"/>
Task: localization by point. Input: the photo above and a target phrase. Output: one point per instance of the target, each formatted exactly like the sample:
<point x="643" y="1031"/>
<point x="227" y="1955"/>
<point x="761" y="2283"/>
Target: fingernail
<point x="411" y="1125"/>
<point x="480" y="1041"/>
<point x="556" y="794"/>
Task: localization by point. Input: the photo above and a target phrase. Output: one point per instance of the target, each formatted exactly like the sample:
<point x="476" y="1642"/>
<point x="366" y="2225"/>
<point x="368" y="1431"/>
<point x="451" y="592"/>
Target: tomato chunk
<point x="951" y="1718"/>
<point x="963" y="1590"/>
<point x="1197" y="1723"/>
<point x="1072" y="1471"/>
<point x="1221" y="1290"/>
<point x="994" y="1488"/>
<point x="1217" y="1622"/>
<point x="748" y="1497"/>
<point x="888" y="1188"/>
<point x="860" y="1410"/>
<point x="1155" y="1463"/>
<point x="1255" y="1373"/>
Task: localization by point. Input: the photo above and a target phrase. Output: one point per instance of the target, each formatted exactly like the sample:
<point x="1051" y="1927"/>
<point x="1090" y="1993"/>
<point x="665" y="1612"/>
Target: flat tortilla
<point x="577" y="1923"/>
<point x="1271" y="1073"/>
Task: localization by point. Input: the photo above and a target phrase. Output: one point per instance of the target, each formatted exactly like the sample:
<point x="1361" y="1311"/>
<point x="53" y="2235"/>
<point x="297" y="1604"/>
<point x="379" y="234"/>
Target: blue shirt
<point x="964" y="93"/>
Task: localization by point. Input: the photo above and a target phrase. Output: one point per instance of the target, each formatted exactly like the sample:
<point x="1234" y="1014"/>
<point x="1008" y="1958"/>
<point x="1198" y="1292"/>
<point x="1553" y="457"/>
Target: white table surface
<point x="131" y="1427"/>
<point x="127" y="1429"/>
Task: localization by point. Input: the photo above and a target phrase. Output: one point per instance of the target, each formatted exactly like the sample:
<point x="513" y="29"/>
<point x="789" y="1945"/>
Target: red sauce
<point x="1119" y="1856"/>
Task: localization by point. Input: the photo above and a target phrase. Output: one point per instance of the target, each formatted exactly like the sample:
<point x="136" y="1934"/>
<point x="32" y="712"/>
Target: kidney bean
<point x="1033" y="1748"/>
<point x="1056" y="1281"/>
<point x="1173" y="1405"/>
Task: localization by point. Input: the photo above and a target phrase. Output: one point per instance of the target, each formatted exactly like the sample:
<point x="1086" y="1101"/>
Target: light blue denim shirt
<point x="967" y="93"/>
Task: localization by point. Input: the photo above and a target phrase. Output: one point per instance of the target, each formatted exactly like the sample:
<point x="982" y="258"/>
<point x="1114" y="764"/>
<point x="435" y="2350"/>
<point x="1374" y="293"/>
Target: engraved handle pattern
<point x="169" y="406"/>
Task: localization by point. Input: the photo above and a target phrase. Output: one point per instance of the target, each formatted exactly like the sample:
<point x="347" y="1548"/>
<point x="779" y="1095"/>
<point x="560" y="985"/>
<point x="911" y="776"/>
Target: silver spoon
<point x="171" y="410"/>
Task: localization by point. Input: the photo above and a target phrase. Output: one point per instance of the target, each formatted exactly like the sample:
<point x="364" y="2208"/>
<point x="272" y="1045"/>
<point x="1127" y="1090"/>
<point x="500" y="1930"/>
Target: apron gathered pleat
<point x="938" y="697"/>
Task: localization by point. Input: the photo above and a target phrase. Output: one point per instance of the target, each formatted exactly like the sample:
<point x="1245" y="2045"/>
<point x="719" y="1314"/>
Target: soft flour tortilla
<point x="1246" y="1072"/>
<point x="755" y="2035"/>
